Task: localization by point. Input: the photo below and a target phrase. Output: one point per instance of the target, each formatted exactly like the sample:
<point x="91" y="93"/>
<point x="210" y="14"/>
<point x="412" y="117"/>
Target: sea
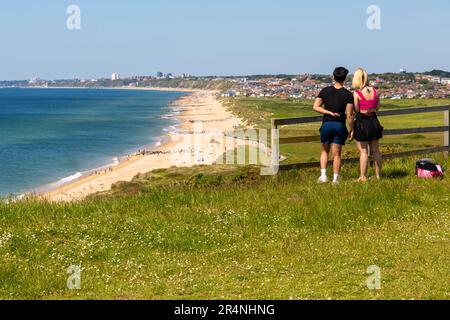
<point x="49" y="136"/>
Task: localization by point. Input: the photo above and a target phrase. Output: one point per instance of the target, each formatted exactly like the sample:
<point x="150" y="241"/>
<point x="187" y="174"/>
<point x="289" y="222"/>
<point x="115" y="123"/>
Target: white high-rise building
<point x="115" y="76"/>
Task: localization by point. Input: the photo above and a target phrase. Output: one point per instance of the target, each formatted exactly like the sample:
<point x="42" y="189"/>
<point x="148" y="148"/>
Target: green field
<point x="226" y="232"/>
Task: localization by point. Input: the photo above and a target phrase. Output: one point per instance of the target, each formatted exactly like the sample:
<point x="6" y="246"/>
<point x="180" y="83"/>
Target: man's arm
<point x="318" y="108"/>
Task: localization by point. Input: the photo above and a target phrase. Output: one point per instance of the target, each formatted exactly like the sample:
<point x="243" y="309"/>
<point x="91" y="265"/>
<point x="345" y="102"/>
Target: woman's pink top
<point x="368" y="104"/>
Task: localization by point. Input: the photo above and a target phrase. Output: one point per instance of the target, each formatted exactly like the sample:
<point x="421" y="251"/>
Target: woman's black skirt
<point x="367" y="128"/>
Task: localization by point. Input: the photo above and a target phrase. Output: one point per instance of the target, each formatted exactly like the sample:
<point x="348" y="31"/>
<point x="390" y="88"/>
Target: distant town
<point x="400" y="85"/>
<point x="393" y="86"/>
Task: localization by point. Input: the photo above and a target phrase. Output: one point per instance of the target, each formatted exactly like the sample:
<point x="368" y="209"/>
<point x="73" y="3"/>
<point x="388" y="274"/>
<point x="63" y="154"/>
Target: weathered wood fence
<point x="278" y="123"/>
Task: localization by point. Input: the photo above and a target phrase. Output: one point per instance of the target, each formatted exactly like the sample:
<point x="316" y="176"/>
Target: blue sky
<point x="219" y="37"/>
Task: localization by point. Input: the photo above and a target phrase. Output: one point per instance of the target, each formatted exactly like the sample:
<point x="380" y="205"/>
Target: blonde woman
<point x="367" y="129"/>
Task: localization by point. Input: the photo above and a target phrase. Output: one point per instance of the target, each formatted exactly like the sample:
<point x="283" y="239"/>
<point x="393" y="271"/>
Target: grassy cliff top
<point x="227" y="232"/>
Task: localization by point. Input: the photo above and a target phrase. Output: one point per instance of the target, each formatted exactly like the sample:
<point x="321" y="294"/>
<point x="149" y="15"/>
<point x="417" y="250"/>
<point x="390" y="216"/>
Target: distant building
<point x="230" y="94"/>
<point x="403" y="71"/>
<point x="115" y="76"/>
<point x="436" y="79"/>
<point x="33" y="80"/>
<point x="159" y="74"/>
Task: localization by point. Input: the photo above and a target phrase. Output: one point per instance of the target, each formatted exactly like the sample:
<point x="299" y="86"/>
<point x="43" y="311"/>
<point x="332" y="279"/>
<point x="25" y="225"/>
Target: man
<point x="336" y="105"/>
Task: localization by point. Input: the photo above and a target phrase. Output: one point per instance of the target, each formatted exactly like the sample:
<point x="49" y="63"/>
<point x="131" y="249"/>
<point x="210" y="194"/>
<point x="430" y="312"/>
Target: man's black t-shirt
<point x="335" y="100"/>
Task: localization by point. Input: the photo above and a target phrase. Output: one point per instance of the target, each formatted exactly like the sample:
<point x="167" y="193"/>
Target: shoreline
<point x="118" y="160"/>
<point x="198" y="106"/>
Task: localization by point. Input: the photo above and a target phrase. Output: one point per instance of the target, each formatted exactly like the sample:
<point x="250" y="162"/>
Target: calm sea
<point x="50" y="134"/>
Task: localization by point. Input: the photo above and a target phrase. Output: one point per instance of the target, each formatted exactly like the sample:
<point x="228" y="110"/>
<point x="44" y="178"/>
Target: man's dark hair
<point x="340" y="74"/>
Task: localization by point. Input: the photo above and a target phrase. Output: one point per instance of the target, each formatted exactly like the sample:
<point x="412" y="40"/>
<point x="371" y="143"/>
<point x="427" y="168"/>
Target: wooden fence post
<point x="447" y="133"/>
<point x="275" y="146"/>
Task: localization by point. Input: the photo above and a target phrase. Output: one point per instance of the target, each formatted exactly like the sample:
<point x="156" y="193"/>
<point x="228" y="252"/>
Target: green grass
<point x="259" y="111"/>
<point x="227" y="232"/>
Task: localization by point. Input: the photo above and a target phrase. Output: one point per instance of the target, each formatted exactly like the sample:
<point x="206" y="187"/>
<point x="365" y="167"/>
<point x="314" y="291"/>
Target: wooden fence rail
<point x="277" y="123"/>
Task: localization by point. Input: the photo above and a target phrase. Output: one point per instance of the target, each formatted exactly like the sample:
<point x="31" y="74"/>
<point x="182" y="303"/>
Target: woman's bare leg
<point x="375" y="149"/>
<point x="363" y="159"/>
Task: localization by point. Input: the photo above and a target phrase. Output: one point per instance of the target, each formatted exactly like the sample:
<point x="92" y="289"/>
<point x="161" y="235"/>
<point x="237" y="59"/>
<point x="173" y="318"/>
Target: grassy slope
<point x="220" y="85"/>
<point x="226" y="232"/>
<point x="231" y="233"/>
<point x="191" y="84"/>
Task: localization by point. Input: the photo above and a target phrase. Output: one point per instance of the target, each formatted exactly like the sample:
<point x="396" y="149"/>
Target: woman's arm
<point x="356" y="102"/>
<point x="318" y="108"/>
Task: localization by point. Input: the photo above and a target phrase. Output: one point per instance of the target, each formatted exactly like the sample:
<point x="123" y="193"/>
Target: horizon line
<point x="215" y="76"/>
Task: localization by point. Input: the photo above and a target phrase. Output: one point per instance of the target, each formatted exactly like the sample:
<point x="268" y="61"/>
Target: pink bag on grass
<point x="429" y="168"/>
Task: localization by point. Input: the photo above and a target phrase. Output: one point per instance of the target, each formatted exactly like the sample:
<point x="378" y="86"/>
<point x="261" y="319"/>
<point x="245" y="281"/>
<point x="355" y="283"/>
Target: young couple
<point x="359" y="109"/>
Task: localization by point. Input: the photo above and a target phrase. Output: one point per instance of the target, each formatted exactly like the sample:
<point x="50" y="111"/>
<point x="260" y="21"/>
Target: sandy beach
<point x="202" y="119"/>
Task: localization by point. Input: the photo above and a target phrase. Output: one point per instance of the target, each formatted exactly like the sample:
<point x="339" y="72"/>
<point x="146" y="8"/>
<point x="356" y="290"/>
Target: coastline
<point x="164" y="89"/>
<point x="199" y="106"/>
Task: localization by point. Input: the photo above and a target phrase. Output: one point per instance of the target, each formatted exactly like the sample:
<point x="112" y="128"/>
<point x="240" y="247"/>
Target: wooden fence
<point x="277" y="123"/>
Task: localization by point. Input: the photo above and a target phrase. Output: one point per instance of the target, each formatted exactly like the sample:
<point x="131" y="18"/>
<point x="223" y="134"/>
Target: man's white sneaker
<point x="322" y="180"/>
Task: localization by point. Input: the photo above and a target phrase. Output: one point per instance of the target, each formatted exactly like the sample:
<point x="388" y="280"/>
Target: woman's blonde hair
<point x="360" y="79"/>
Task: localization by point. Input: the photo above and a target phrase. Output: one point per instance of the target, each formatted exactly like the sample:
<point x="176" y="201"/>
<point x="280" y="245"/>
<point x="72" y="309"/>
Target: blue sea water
<point x="49" y="134"/>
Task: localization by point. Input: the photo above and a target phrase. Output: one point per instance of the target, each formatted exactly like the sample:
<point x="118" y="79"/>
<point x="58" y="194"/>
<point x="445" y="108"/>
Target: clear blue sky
<point x="232" y="37"/>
